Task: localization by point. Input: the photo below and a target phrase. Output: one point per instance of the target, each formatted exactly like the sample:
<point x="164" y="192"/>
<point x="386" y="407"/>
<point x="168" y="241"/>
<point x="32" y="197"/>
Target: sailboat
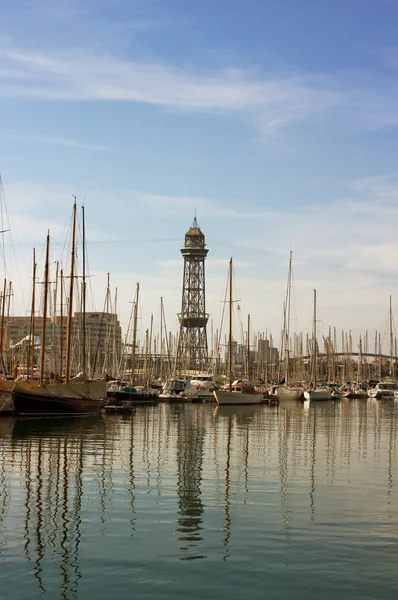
<point x="77" y="396"/>
<point x="6" y="385"/>
<point x="130" y="393"/>
<point x="315" y="393"/>
<point x="387" y="388"/>
<point x="241" y="391"/>
<point x="285" y="391"/>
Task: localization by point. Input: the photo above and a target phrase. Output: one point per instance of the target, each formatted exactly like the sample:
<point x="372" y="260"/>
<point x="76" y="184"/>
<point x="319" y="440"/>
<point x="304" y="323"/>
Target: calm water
<point x="195" y="501"/>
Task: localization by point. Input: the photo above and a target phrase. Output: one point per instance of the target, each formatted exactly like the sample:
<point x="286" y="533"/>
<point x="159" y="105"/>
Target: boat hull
<point x="132" y="397"/>
<point x="175" y="398"/>
<point x="381" y="394"/>
<point x="289" y="394"/>
<point x="355" y="394"/>
<point x="60" y="400"/>
<point x="224" y="397"/>
<point x="29" y="406"/>
<point x="318" y="395"/>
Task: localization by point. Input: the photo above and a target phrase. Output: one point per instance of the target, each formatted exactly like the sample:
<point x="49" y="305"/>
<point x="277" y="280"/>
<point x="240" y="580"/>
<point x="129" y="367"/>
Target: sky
<point x="275" y="120"/>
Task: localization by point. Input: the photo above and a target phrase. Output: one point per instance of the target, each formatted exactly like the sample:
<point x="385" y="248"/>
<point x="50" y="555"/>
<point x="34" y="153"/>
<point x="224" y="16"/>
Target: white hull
<point x="381" y="393"/>
<point x="289" y="393"/>
<point x="318" y="394"/>
<point x="356" y="394"/>
<point x="175" y="397"/>
<point x="234" y="398"/>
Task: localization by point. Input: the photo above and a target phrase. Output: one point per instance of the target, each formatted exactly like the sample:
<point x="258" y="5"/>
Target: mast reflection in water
<point x="201" y="501"/>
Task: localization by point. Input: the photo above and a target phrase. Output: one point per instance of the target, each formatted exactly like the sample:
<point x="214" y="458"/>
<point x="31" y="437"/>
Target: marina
<point x="65" y="361"/>
<point x="198" y="300"/>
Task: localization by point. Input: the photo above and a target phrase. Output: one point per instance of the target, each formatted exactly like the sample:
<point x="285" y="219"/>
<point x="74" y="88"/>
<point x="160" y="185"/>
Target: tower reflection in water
<point x="185" y="482"/>
<point x="190" y="443"/>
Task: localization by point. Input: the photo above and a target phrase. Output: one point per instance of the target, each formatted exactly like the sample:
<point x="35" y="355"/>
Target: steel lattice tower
<point x="192" y="344"/>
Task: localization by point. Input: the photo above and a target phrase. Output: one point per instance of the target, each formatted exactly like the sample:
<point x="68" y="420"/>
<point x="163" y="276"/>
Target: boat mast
<point x="3" y="307"/>
<point x="114" y="352"/>
<point x="134" y="334"/>
<point x="161" y="340"/>
<point x="391" y="343"/>
<point x="359" y="372"/>
<point x="54" y="361"/>
<point x="44" y="323"/>
<point x="230" y="327"/>
<point x="61" y="327"/>
<point x="84" y="360"/>
<point x="146" y="354"/>
<point x="150" y="350"/>
<point x="70" y="300"/>
<point x="314" y="344"/>
<point x="32" y="327"/>
<point x="167" y="340"/>
<point x="287" y="324"/>
<point x="248" y="347"/>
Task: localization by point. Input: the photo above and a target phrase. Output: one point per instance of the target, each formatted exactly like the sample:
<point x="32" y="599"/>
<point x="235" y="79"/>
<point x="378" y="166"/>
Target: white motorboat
<point x="178" y="390"/>
<point x="242" y="392"/>
<point x="384" y="389"/>
<point x="205" y="385"/>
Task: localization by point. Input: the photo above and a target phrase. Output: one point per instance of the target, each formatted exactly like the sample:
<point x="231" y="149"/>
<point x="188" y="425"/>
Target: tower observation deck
<point x="192" y="345"/>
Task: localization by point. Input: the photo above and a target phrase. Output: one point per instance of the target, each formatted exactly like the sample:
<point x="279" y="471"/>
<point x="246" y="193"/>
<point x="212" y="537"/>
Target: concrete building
<point x="103" y="343"/>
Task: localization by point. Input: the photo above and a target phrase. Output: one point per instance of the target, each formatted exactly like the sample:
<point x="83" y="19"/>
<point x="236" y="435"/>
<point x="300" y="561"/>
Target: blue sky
<point x="275" y="120"/>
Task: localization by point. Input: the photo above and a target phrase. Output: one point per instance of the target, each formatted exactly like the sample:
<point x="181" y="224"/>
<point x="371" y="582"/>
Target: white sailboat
<point x="285" y="391"/>
<point x="241" y="391"/>
<point x="389" y="387"/>
<point x="315" y="393"/>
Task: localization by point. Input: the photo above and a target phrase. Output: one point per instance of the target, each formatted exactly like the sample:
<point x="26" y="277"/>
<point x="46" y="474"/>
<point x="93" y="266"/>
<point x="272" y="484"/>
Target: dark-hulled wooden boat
<point x="80" y="398"/>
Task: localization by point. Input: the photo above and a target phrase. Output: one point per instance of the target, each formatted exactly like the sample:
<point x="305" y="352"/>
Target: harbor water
<point x="198" y="501"/>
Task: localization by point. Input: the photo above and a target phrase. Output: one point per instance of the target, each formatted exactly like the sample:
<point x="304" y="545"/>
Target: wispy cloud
<point x="383" y="186"/>
<point x="87" y="76"/>
<point x="350" y="293"/>
<point x="67" y="143"/>
<point x="273" y="100"/>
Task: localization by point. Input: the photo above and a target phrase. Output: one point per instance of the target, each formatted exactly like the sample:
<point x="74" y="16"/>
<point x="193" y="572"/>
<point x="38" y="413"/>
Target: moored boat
<point x="178" y="390"/>
<point x="384" y="389"/>
<point x="355" y="393"/>
<point x="318" y="394"/>
<point x="73" y="396"/>
<point x="289" y="393"/>
<point x="242" y="392"/>
<point x="132" y="394"/>
<point x="205" y="385"/>
<point x="79" y="398"/>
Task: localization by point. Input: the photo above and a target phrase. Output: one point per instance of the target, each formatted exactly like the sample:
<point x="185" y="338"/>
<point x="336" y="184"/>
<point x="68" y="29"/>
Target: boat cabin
<point x="203" y="380"/>
<point x="243" y="386"/>
<point x="174" y="386"/>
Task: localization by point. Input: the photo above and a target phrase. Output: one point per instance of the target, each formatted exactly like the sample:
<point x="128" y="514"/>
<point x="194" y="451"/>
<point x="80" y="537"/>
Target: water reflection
<point x="187" y="483"/>
<point x="190" y="441"/>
